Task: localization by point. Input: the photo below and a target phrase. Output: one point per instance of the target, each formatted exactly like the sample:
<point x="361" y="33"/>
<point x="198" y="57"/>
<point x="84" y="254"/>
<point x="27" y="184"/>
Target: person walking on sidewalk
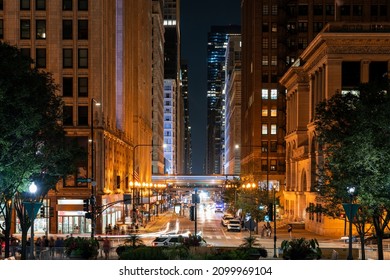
<point x="106" y="247"/>
<point x="289" y="230"/>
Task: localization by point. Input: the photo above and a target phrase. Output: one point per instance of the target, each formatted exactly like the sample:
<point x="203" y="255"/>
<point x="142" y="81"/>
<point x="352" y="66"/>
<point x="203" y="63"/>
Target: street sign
<point x="351" y="210"/>
<point x="84" y="180"/>
<point x="32" y="208"/>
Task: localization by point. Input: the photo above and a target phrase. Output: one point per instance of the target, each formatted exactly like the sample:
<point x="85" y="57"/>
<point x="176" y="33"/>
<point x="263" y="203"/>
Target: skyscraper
<point x="216" y="50"/>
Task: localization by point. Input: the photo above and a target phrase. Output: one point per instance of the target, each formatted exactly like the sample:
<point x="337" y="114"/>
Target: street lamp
<point x="93" y="182"/>
<point x="133" y="184"/>
<point x="350" y="211"/>
<point x="274" y="218"/>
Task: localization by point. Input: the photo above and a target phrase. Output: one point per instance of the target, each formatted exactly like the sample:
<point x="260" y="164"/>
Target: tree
<point x="33" y="146"/>
<point x="353" y="131"/>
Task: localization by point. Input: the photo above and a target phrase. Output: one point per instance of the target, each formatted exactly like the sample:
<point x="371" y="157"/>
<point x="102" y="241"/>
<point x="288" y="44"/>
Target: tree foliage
<point x="354" y="133"/>
<point x="33" y="146"/>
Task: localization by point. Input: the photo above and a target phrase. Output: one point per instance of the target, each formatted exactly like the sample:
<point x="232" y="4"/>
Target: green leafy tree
<point x="353" y="131"/>
<point x="301" y="249"/>
<point x="33" y="146"/>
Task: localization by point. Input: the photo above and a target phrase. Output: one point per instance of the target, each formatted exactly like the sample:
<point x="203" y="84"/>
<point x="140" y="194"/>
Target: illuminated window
<point x="265" y="43"/>
<point x="274" y="27"/>
<point x="264" y="165"/>
<point x="265" y="10"/>
<point x="274" y="94"/>
<point x="264" y="129"/>
<point x="264" y="146"/>
<point x="40" y="29"/>
<point x="273" y="129"/>
<point x="272" y="165"/>
<point x="274" y="112"/>
<point x="274" y="10"/>
<point x="265" y="60"/>
<point x="274" y="60"/>
<point x="264" y="93"/>
<point x="264" y="112"/>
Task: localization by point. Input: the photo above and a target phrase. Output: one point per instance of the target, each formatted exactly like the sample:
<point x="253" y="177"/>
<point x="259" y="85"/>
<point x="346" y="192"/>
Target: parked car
<point x="168" y="240"/>
<point x="234" y="225"/>
<point x="226" y="218"/>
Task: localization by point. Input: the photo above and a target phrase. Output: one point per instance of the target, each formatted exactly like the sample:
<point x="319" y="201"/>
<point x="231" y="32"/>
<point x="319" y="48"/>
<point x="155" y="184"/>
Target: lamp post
<point x="93" y="182"/>
<point x="350" y="210"/>
<point x="274" y="218"/>
<point x="133" y="183"/>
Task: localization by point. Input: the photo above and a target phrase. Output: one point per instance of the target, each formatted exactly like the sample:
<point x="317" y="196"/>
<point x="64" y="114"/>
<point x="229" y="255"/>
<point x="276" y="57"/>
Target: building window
<point x="264" y="78"/>
<point x="274" y="27"/>
<point x="274" y="94"/>
<point x="40" y="29"/>
<point x="68" y="115"/>
<point x="274" y="146"/>
<point x="25" y="5"/>
<point x="274" y="77"/>
<point x="67" y="29"/>
<point x="264" y="146"/>
<point x="374" y="10"/>
<point x="318" y="10"/>
<point x="302" y="26"/>
<point x="67" y="5"/>
<point x="317" y="26"/>
<point x="264" y="111"/>
<point x="265" y="60"/>
<point x="345" y="10"/>
<point x="265" y="10"/>
<point x="264" y="129"/>
<point x="357" y="10"/>
<point x="1" y="29"/>
<point x="83" y="87"/>
<point x="274" y="43"/>
<point x="40" y="5"/>
<point x="265" y="27"/>
<point x="264" y="165"/>
<point x="25" y="29"/>
<point x="26" y="52"/>
<point x="329" y="10"/>
<point x="83" y="5"/>
<point x="302" y="43"/>
<point x="83" y="58"/>
<point x="274" y="60"/>
<point x="273" y="129"/>
<point x="303" y="10"/>
<point x="264" y="93"/>
<point x="265" y="43"/>
<point x="383" y="10"/>
<point x="67" y="58"/>
<point x="83" y="29"/>
<point x="274" y="10"/>
<point x="1" y="5"/>
<point x="82" y="112"/>
<point x="273" y="163"/>
<point x="40" y="60"/>
<point x="274" y="112"/>
<point x="67" y="86"/>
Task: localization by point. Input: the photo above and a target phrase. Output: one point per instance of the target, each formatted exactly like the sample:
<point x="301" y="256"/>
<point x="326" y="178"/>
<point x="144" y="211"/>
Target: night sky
<point x="196" y="18"/>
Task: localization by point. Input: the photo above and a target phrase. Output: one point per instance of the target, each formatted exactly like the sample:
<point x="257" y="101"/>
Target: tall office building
<point x="216" y="50"/>
<point x="232" y="113"/>
<point x="100" y="53"/>
<point x="172" y="76"/>
<point x="187" y="123"/>
<point x="274" y="34"/>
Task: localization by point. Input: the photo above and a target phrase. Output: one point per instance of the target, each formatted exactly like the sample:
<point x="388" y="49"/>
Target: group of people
<point x="267" y="230"/>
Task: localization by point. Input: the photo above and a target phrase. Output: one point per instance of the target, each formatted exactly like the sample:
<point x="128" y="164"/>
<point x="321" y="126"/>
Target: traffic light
<point x="86" y="205"/>
<point x="270" y="212"/>
<point x="42" y="211"/>
<point x="192" y="213"/>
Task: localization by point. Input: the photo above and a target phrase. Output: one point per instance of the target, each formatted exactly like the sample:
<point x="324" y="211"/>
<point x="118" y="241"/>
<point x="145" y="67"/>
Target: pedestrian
<point x="106" y="247"/>
<point x="51" y="246"/>
<point x="289" y="230"/>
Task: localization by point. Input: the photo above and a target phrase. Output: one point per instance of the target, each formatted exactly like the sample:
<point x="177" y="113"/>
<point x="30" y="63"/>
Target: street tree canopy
<point x="353" y="131"/>
<point x="33" y="146"/>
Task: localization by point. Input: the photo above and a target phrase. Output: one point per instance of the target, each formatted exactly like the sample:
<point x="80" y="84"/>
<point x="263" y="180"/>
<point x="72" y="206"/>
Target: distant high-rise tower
<point x="187" y="123"/>
<point x="216" y="49"/>
<point x="172" y="76"/>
